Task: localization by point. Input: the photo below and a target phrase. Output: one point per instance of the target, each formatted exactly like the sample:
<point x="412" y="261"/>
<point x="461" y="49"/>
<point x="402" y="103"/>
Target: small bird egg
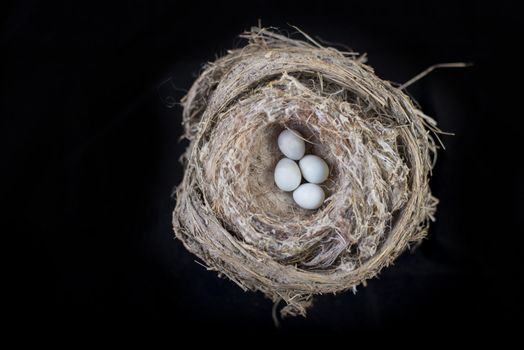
<point x="287" y="175"/>
<point x="291" y="144"/>
<point x="314" y="169"/>
<point x="309" y="196"/>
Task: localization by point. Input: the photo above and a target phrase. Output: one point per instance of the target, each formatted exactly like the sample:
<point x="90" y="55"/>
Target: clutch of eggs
<point x="288" y="174"/>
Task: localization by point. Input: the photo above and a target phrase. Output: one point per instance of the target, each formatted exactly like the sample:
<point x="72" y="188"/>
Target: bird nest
<point x="374" y="138"/>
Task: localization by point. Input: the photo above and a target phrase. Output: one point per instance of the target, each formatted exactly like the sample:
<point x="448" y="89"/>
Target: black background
<point x="90" y="155"/>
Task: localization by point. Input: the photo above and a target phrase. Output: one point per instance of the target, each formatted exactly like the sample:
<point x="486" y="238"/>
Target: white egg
<point x="287" y="174"/>
<point x="309" y="196"/>
<point x="314" y="169"/>
<point x="291" y="144"/>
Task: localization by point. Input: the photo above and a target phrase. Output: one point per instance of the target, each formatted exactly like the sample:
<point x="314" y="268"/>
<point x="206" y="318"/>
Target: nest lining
<point x="375" y="140"/>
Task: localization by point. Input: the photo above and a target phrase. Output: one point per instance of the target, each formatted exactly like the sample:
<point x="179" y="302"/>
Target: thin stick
<point x="274" y="313"/>
<point x="307" y="36"/>
<point x="431" y="69"/>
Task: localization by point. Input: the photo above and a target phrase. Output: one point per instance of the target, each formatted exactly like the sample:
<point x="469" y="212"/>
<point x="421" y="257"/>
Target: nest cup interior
<point x="263" y="191"/>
